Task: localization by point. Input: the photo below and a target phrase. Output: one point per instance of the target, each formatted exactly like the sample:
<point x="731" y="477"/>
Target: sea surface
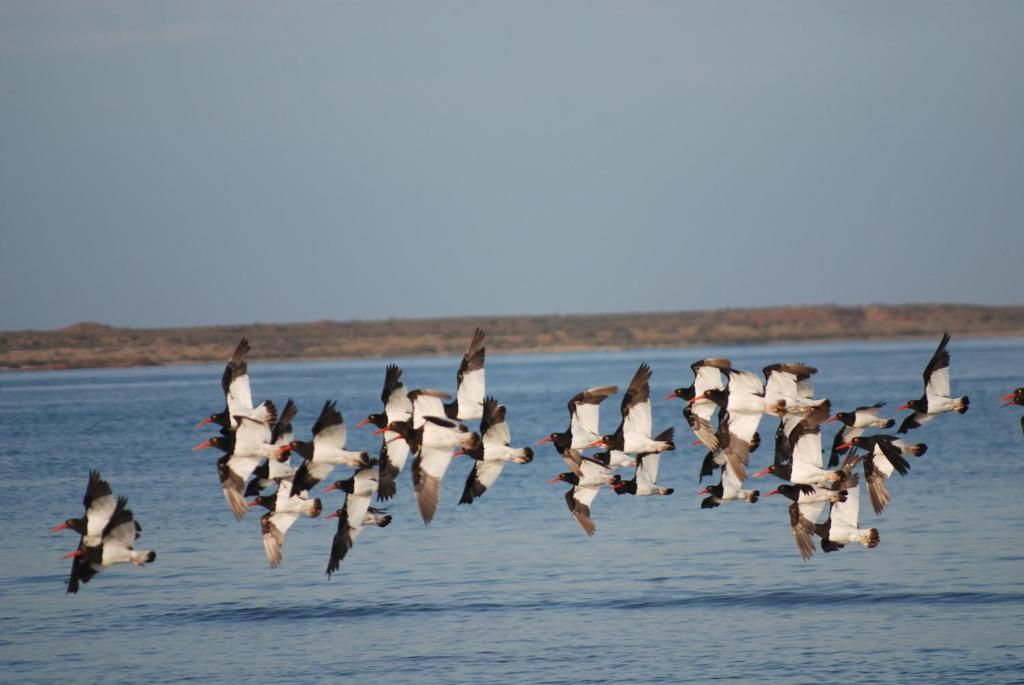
<point x="510" y="589"/>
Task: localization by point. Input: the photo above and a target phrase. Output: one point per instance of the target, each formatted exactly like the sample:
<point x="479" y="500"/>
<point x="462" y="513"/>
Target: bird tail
<point x="753" y="496"/>
<point x="871" y="539"/>
<point x="917" y="449"/>
<point x="887" y="423"/>
<point x="314" y="508"/>
<point x="667" y="438"/>
<point x="525" y="456"/>
<point x="962" y="404"/>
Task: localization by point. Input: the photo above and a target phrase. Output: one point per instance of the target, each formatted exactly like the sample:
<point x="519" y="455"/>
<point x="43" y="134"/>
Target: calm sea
<point x="510" y="589"/>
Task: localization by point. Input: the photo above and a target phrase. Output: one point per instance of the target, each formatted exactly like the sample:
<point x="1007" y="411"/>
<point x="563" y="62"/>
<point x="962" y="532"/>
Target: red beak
<point x="597" y="443"/>
<point x="397" y="437"/>
<point x="905" y="406"/>
<point x="332" y="487"/>
<point x="379" y="431"/>
<point x="60" y="527"/>
<point x="703" y="492"/>
<point x="363" y="422"/>
<point x="698" y="397"/>
<point x="773" y="492"/>
<point x="543" y="440"/>
<point x="845" y="446"/>
<point x="831" y="419"/>
<point x="694" y="443"/>
<point x="762" y="473"/>
<point x="671" y="396"/>
<point x="204" y="422"/>
<point x="554" y="480"/>
<point x="332" y="516"/>
<point x="458" y="454"/>
<point x="75" y="554"/>
<point x="252" y="503"/>
<point x="202" y="446"/>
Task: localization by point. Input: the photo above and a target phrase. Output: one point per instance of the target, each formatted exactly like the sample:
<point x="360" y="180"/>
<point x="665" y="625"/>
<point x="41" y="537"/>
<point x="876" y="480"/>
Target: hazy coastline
<point x="93" y="345"/>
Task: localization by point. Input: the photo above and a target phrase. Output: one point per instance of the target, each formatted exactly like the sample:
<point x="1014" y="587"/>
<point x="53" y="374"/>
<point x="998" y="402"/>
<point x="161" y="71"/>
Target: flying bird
<point x="492" y="453"/>
<point x="584" y="415"/>
<point x="936" y="398"/>
<point x="469" y="395"/>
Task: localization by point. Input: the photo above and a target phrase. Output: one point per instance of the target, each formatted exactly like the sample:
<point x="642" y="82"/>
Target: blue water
<point x="510" y="589"/>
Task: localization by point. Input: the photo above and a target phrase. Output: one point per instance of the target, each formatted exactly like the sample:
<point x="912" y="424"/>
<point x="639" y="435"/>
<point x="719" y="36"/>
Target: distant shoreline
<point x="91" y="345"/>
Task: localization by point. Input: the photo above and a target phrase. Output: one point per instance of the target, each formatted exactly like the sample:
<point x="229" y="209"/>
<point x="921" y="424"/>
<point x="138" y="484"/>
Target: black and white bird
<point x="394" y="450"/>
<point x="494" y="450"/>
<point x="1015" y="397"/>
<point x="744" y="404"/>
<point x="285" y="509"/>
<point x="360" y="489"/>
<point x="434" y="443"/>
<point x="842" y="527"/>
<point x="115" y="547"/>
<point x="645" y="479"/>
<point x="587" y="476"/>
<point x="325" y="451"/>
<point x="808" y="503"/>
<point x="237" y="392"/>
<point x="251" y="445"/>
<point x="883" y="454"/>
<point x="707" y="375"/>
<point x="271" y="470"/>
<point x="792" y="384"/>
<point x="854" y="424"/>
<point x="729" y="487"/>
<point x="806" y="466"/>
<point x="346" y="535"/>
<point x="633" y="436"/>
<point x="936" y="398"/>
<point x="584" y="419"/>
<point x="99" y="506"/>
<point x="469" y="395"/>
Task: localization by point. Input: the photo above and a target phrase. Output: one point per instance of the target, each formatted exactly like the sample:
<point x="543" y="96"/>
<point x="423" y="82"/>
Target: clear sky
<point x="181" y="163"/>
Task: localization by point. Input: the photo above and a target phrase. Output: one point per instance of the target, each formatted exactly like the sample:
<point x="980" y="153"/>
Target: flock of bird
<point x="723" y="407"/>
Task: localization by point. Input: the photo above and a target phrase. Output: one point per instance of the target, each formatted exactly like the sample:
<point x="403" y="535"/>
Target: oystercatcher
<point x="284" y="510"/>
<point x="469" y="395"/>
<point x="854" y="424"/>
<point x="584" y="415"/>
<point x="394" y="450"/>
<point x="492" y="452"/>
<point x="936" y="399"/>
<point x="325" y="451"/>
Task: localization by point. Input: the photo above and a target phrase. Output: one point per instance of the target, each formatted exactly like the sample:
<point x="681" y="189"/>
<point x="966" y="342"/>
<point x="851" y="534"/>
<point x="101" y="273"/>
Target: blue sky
<point x="200" y="163"/>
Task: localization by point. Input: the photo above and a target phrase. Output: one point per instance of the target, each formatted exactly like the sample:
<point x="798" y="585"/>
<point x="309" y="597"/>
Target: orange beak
<point x="543" y="440"/>
<point x="202" y="446"/>
<point x="765" y="472"/>
<point x="204" y="422"/>
<point x="60" y="527"/>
